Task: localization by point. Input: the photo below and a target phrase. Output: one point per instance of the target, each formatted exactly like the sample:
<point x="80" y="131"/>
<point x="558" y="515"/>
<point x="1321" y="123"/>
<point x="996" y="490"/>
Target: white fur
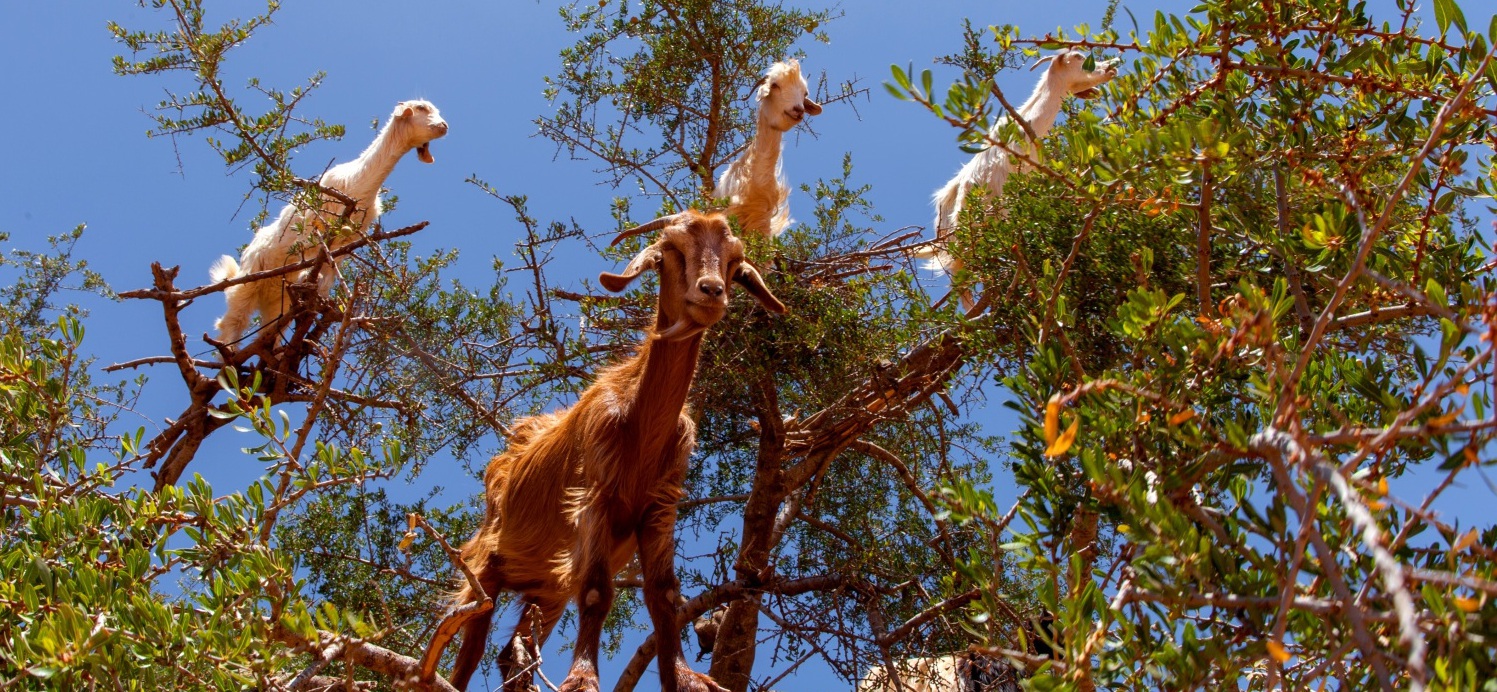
<point x="295" y="234"/>
<point x="759" y="198"/>
<point x="991" y="166"/>
<point x="938" y="674"/>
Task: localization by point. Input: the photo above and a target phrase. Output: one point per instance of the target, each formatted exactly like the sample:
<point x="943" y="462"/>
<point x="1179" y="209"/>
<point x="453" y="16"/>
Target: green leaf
<point x="1444" y="12"/>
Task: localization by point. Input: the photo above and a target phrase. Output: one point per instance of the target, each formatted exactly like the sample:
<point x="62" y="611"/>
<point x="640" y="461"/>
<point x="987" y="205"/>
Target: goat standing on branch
<point x="295" y="234"/>
<point x="1066" y="76"/>
<point x="579" y="491"/>
<point x="758" y="197"/>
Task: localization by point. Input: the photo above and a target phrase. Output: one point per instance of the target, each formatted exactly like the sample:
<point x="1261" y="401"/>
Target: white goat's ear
<point x="1041" y="61"/>
<point x="646" y="259"/>
<point x="761" y="88"/>
<point x="749" y="279"/>
<point x="407" y="113"/>
<point x="812" y="107"/>
<point x="1088" y="93"/>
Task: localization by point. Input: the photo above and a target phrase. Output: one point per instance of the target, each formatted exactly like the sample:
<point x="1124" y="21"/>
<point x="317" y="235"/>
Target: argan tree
<point x="1237" y="303"/>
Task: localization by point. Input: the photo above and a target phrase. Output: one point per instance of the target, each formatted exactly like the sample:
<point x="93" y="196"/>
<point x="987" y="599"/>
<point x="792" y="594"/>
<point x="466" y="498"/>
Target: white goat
<point x="294" y="235"/>
<point x="991" y="167"/>
<point x="754" y="184"/>
<point x="963" y="672"/>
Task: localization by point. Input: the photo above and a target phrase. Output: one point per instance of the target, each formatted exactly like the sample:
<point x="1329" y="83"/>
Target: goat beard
<point x="680" y="330"/>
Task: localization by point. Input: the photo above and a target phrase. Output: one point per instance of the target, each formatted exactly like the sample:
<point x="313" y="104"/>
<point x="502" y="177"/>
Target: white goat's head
<point x="698" y="257"/>
<point x="1068" y="73"/>
<point x="419" y="123"/>
<point x="784" y="98"/>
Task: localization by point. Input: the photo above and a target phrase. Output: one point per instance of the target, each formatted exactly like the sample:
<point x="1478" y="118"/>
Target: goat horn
<point x="659" y="223"/>
<point x="1041" y="61"/>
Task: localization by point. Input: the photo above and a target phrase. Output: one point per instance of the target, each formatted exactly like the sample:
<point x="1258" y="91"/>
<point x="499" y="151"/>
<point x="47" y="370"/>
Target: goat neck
<point x="661" y="373"/>
<point x="764" y="152"/>
<point x="1042" y="106"/>
<point x="363" y="176"/>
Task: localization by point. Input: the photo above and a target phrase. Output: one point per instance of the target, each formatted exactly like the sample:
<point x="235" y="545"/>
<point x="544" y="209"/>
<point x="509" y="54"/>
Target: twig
<point x="458" y="615"/>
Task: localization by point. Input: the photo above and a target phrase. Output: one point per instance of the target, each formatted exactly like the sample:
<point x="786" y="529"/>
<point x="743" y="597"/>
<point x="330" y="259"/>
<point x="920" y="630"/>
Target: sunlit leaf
<point x="1277" y="651"/>
<point x="1052" y="420"/>
<point x="1063" y="443"/>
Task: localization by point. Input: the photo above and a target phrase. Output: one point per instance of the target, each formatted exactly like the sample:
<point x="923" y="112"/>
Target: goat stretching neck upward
<point x="1066" y="76"/>
<point x="754" y="184"/>
<point x="578" y="491"/>
<point x="292" y="237"/>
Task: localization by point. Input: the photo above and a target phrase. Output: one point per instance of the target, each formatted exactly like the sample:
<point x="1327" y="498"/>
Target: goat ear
<point x="761" y="88"/>
<point x="406" y="113"/>
<point x="812" y="107"/>
<point x="1088" y="93"/>
<point x="749" y="278"/>
<point x="646" y="259"/>
<point x="1041" y="61"/>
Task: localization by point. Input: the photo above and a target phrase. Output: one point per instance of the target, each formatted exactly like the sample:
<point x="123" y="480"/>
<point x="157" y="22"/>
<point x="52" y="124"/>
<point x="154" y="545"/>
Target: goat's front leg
<point x="657" y="560"/>
<point x="597" y="537"/>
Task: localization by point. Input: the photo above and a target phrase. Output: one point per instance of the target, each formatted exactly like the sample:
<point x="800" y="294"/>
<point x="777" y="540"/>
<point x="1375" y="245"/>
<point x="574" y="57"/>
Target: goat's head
<point x="698" y="259"/>
<point x="420" y="123"/>
<point x="1068" y="73"/>
<point x="784" y="98"/>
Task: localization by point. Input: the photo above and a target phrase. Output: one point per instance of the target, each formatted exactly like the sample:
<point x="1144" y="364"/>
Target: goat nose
<point x="711" y="287"/>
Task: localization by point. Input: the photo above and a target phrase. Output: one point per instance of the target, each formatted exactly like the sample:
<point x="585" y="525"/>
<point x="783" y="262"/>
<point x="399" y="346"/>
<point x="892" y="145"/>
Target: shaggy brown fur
<point x="579" y="491"/>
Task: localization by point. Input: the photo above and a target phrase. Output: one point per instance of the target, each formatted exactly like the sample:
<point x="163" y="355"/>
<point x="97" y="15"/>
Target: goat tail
<point x="936" y="255"/>
<point x="224" y="268"/>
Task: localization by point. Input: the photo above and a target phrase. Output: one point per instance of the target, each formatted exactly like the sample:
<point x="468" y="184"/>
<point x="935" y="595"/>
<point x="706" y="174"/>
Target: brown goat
<point x="578" y="491"/>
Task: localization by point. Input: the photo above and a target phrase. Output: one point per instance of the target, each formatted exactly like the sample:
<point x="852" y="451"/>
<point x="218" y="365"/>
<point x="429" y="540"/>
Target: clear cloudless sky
<point x="77" y="153"/>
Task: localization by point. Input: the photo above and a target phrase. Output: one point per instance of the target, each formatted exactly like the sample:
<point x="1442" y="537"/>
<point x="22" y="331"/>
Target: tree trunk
<point x="737" y="637"/>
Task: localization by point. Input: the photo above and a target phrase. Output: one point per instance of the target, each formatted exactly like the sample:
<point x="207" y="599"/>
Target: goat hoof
<point x="580" y="682"/>
<point x="688" y="680"/>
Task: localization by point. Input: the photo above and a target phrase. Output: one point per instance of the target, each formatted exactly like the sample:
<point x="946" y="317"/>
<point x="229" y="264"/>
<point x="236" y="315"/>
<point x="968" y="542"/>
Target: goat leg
<point x="657" y="559"/>
<point x="597" y="537"/>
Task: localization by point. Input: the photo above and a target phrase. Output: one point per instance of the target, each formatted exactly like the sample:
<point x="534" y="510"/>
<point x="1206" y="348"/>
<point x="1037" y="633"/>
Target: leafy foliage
<point x="1238" y="304"/>
<point x="1307" y="322"/>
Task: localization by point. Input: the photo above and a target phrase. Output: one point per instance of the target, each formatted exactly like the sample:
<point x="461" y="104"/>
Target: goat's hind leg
<point x="597" y="538"/>
<point x="242" y="303"/>
<point x="657" y="560"/>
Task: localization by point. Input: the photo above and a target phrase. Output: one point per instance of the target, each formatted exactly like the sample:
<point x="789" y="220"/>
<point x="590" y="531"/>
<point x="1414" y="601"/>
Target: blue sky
<point x="78" y="151"/>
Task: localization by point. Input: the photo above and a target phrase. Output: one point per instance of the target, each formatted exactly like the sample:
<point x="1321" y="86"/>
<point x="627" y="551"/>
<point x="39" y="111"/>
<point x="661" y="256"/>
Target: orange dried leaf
<point x="1447" y="419"/>
<point x="1064" y="442"/>
<point x="1182" y="416"/>
<point x="1469" y="605"/>
<point x="1143" y="417"/>
<point x="1052" y="420"/>
<point x="1382" y="487"/>
<point x="1462" y="388"/>
<point x="1464" y="542"/>
<point x="1470" y="455"/>
<point x="1277" y="651"/>
<point x="1377" y="505"/>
